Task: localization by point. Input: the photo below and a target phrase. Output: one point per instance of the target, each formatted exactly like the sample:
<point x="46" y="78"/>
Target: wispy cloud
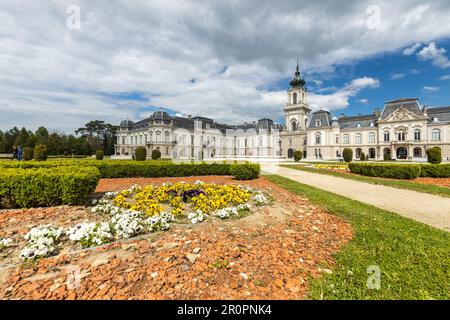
<point x="411" y="50"/>
<point x="444" y="78"/>
<point x="431" y="89"/>
<point x="397" y="76"/>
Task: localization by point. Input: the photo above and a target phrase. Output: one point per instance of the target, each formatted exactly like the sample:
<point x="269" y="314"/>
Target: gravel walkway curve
<point x="422" y="207"/>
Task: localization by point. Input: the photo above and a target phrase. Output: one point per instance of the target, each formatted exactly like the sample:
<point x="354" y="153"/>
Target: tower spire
<point x="298" y="81"/>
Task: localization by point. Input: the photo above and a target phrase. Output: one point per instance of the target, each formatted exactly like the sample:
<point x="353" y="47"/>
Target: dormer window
<point x="358" y="125"/>
<point x="318" y="123"/>
<point x="207" y="126"/>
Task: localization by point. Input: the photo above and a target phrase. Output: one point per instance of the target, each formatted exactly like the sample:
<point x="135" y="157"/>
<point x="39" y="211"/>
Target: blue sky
<point x="230" y="61"/>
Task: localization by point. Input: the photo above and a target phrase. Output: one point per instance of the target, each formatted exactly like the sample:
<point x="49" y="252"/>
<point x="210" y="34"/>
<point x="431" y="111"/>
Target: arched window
<point x="371" y="137"/>
<point x="167" y="136"/>
<point x="294" y="98"/>
<point x="158" y="136"/>
<point x="260" y="141"/>
<point x="294" y="125"/>
<point x="358" y="153"/>
<point x="318" y="138"/>
<point x="417" y="135"/>
<point x="358" y="138"/>
<point x="386" y="136"/>
<point x="346" y="139"/>
<point x="151" y="136"/>
<point x="436" y="135"/>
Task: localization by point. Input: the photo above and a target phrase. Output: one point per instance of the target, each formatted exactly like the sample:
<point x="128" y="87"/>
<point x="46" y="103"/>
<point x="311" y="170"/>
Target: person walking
<point x="14" y="157"/>
<point x="19" y="153"/>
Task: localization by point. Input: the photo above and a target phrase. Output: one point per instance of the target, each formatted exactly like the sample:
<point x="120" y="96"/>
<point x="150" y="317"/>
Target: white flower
<point x="260" y="199"/>
<point x="42" y="241"/>
<point x="5" y="242"/>
<point x="91" y="233"/>
<point x="199" y="183"/>
<point x="196" y="217"/>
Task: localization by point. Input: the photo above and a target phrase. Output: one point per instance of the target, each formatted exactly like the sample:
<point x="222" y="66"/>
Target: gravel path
<point x="422" y="207"/>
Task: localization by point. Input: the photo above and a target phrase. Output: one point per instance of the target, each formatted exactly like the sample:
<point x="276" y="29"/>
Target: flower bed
<point x="142" y="210"/>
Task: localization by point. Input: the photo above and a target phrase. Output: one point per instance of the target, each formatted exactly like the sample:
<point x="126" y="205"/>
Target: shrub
<point x="141" y="154"/>
<point x="387" y="157"/>
<point x="134" y="169"/>
<point x="298" y="155"/>
<point x="434" y="155"/>
<point x="27" y="154"/>
<point x="393" y="171"/>
<point x="156" y="154"/>
<point x="435" y="170"/>
<point x="40" y="152"/>
<point x="347" y="154"/>
<point x="363" y="157"/>
<point x="245" y="171"/>
<point x="41" y="187"/>
<point x="99" y="154"/>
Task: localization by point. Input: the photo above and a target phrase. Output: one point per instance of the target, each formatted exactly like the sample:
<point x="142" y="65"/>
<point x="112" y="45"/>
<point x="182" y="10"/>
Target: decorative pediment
<point x="403" y="114"/>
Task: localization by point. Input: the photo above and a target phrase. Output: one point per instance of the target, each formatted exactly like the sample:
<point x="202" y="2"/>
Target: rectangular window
<point x="386" y="137"/>
<point x="371" y="138"/>
<point x="435" y="135"/>
<point x="358" y="139"/>
<point x="417" y="136"/>
<point x="346" y="139"/>
<point x="337" y="140"/>
<point x="401" y="136"/>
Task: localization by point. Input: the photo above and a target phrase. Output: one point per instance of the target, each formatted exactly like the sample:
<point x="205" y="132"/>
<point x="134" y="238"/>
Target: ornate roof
<point x="298" y="80"/>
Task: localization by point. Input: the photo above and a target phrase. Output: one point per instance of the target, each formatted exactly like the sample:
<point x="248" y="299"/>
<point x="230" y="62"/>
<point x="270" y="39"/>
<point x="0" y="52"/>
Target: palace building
<point x="402" y="129"/>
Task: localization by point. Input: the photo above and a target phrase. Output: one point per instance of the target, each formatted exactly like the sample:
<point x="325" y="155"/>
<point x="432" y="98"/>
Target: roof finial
<point x="298" y="65"/>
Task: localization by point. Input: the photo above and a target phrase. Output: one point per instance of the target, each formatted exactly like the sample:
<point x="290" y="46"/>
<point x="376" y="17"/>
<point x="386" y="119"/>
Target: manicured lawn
<point x="414" y="258"/>
<point x="402" y="184"/>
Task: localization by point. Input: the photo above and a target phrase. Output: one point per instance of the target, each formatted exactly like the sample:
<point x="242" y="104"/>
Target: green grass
<point x="401" y="184"/>
<point x="414" y="258"/>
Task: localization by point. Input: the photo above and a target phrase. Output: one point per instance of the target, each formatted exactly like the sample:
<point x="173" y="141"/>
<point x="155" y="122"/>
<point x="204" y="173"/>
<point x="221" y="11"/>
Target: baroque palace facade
<point x="403" y="129"/>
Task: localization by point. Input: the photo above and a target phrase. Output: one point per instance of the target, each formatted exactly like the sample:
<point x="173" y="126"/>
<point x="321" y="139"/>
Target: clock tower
<point x="297" y="108"/>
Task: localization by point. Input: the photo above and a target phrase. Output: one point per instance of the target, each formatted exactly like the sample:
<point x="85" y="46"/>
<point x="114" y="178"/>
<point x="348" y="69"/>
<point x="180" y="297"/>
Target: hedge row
<point x="401" y="171"/>
<point x="394" y="171"/>
<point x="435" y="170"/>
<point x="38" y="187"/>
<point x="149" y="169"/>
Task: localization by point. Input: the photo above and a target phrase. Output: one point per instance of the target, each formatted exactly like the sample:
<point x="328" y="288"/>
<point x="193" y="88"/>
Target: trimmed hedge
<point x="99" y="154"/>
<point x="139" y="169"/>
<point x="298" y="155"/>
<point x="393" y="171"/>
<point x="141" y="154"/>
<point x="156" y="154"/>
<point x="435" y="170"/>
<point x="27" y="154"/>
<point x="434" y="155"/>
<point x="347" y="154"/>
<point x="245" y="171"/>
<point x="41" y="187"/>
<point x="40" y="152"/>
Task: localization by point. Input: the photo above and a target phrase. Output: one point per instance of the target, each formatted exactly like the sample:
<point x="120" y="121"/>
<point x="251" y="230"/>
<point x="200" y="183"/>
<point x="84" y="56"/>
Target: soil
<point x="270" y="254"/>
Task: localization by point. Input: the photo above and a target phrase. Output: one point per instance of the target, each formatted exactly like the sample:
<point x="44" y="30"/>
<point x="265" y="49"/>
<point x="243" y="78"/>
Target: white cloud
<point x="435" y="55"/>
<point x="397" y="76"/>
<point x="233" y="50"/>
<point x="414" y="71"/>
<point x="444" y="78"/>
<point x="431" y="89"/>
<point x="364" y="101"/>
<point x="411" y="50"/>
<point x="340" y="99"/>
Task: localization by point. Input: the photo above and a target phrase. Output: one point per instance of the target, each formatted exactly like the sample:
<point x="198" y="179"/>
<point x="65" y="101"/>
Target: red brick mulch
<point x="269" y="254"/>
